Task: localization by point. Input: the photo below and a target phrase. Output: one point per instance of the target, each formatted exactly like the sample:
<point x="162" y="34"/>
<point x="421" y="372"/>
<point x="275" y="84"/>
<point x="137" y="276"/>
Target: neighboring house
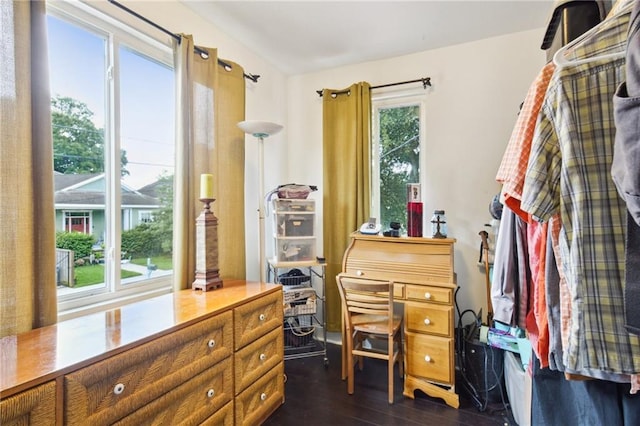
<point x="79" y="204"/>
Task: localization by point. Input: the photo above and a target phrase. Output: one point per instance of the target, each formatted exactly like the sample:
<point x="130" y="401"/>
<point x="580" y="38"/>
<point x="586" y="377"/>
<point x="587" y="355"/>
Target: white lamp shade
<point x="259" y="129"/>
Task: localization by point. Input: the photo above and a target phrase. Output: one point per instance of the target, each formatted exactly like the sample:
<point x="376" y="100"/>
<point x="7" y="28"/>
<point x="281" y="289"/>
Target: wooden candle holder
<point x="207" y="271"/>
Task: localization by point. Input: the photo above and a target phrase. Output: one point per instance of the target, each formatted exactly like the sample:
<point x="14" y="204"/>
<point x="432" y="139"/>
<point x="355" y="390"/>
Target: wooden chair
<point x="367" y="306"/>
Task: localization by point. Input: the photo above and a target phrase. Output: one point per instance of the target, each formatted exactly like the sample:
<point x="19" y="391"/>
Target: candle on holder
<point x="206" y="186"/>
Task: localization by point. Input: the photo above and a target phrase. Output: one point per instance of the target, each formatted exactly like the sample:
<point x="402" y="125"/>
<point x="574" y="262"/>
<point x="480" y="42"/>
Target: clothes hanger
<point x="560" y="57"/>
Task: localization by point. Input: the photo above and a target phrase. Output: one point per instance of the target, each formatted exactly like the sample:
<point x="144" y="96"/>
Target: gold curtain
<point x="229" y="171"/>
<point x="196" y="79"/>
<point x="27" y="228"/>
<point x="346" y="116"/>
<point x="210" y="101"/>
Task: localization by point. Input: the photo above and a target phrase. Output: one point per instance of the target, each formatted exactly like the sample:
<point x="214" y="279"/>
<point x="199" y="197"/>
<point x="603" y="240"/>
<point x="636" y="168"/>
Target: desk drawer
<point x="191" y="403"/>
<point x="254" y="319"/>
<point x="429" y="294"/>
<point x="429" y="318"/>
<point x="252" y="361"/>
<point x="111" y="389"/>
<point x="260" y="399"/>
<point x="429" y="357"/>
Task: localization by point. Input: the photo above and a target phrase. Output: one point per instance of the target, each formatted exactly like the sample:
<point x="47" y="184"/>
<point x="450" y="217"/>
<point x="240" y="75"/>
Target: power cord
<point x="464" y="334"/>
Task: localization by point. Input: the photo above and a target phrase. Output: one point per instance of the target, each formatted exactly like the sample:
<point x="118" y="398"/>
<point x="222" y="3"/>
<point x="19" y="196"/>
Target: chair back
<point x="364" y="296"/>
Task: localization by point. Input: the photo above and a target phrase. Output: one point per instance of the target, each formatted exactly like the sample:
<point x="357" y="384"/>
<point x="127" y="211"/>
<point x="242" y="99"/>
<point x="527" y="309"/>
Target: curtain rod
<point x="426" y="81"/>
<point x="178" y="37"/>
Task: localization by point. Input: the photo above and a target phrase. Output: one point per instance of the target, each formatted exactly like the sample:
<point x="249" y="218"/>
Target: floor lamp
<point x="260" y="130"/>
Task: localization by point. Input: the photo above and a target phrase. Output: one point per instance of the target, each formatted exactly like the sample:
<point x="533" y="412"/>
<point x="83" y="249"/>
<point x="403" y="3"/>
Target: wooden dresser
<point x="185" y="358"/>
<point x="424" y="282"/>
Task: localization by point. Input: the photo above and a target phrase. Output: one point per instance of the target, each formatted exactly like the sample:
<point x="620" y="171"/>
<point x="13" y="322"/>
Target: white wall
<point x="471" y="109"/>
<point x="265" y="100"/>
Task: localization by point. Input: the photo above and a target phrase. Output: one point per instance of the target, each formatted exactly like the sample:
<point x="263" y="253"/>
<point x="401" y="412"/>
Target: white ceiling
<point x="305" y="36"/>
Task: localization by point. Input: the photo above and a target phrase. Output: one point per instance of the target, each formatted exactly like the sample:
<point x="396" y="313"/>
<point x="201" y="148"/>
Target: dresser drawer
<point x="429" y="357"/>
<point x="254" y="360"/>
<point x="36" y="406"/>
<point x="429" y="294"/>
<point x="254" y="319"/>
<point x="429" y="318"/>
<point x="222" y="417"/>
<point x="191" y="403"/>
<point x="108" y="390"/>
<point x="260" y="399"/>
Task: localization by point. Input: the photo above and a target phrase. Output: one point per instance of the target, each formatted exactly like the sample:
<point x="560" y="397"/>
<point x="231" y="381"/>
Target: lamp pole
<point x="260" y="130"/>
<point x="261" y="214"/>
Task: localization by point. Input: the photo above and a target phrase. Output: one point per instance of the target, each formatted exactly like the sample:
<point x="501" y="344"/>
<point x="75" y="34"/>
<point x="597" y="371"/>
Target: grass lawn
<point x="94" y="274"/>
<point x="164" y="261"/>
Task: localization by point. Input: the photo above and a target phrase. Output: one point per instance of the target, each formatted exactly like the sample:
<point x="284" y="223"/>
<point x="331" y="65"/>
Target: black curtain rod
<point x="426" y="81"/>
<point x="199" y="50"/>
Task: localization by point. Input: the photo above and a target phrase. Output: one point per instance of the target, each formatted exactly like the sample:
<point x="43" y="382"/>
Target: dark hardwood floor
<point x="315" y="395"/>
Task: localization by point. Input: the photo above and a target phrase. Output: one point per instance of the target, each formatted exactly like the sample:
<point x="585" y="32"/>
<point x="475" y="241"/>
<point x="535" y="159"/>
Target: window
<point x="77" y="222"/>
<point x="113" y="131"/>
<point x="145" y="217"/>
<point x="397" y="154"/>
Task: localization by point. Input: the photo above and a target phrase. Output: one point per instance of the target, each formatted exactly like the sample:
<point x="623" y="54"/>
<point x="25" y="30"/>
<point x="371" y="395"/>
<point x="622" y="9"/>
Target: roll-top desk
<point x="190" y="357"/>
<point x="424" y="282"/>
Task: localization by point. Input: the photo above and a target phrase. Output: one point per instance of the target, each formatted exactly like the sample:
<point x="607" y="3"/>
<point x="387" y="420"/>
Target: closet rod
<point x="426" y="81"/>
<point x="178" y="37"/>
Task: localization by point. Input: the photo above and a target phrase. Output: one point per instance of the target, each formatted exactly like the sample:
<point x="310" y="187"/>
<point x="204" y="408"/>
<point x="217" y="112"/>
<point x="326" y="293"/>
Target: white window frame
<point x="145" y="216"/>
<point x="395" y="99"/>
<point x="113" y="293"/>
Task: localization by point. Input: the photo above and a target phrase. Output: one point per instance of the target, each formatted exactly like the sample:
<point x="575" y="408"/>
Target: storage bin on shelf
<point x="295" y="249"/>
<point x="286" y="205"/>
<point x="294" y="230"/>
<point x="294" y="224"/>
<point x="299" y="300"/>
<point x="294" y="218"/>
<point x="298" y="332"/>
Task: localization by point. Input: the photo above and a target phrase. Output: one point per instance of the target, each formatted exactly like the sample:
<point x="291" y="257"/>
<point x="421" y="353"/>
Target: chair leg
<point x="350" y="371"/>
<point x="400" y="356"/>
<point x="390" y="362"/>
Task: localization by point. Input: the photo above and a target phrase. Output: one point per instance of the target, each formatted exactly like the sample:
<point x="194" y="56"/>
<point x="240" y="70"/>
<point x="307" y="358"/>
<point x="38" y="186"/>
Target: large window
<point x="397" y="148"/>
<point x="113" y="134"/>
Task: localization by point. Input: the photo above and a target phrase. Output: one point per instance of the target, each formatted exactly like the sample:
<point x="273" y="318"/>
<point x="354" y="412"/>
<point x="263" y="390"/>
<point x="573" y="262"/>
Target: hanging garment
<point x="511" y="274"/>
<point x="516" y="156"/>
<point x="626" y="164"/>
<point x="557" y="401"/>
<point x="569" y="173"/>
<point x="552" y="287"/>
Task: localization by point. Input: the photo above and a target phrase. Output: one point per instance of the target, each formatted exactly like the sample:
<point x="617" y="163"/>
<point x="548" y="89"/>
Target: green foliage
<point x="143" y="240"/>
<point x="399" y="160"/>
<point x="94" y="274"/>
<point x="78" y="146"/>
<point x="163" y="261"/>
<point x="80" y="243"/>
<point x="163" y="218"/>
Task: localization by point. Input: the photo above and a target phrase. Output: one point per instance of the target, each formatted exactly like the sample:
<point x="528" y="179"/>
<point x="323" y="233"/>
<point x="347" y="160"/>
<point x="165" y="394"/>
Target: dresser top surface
<point x="50" y="351"/>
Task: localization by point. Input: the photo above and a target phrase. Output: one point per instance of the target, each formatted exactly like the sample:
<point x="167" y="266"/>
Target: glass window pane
<point x="77" y="70"/>
<point x="399" y="160"/>
<point x="147" y="152"/>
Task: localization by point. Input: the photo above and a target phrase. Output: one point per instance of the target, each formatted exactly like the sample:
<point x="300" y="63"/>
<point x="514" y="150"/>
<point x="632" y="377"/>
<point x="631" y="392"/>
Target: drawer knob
<point x="427" y="295"/>
<point x="210" y="393"/>
<point x="359" y="273"/>
<point x="427" y="321"/>
<point x="263" y="357"/>
<point x="262" y="317"/>
<point x="427" y="358"/>
<point x="118" y="389"/>
<point x="211" y="343"/>
<point x="263" y="396"/>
